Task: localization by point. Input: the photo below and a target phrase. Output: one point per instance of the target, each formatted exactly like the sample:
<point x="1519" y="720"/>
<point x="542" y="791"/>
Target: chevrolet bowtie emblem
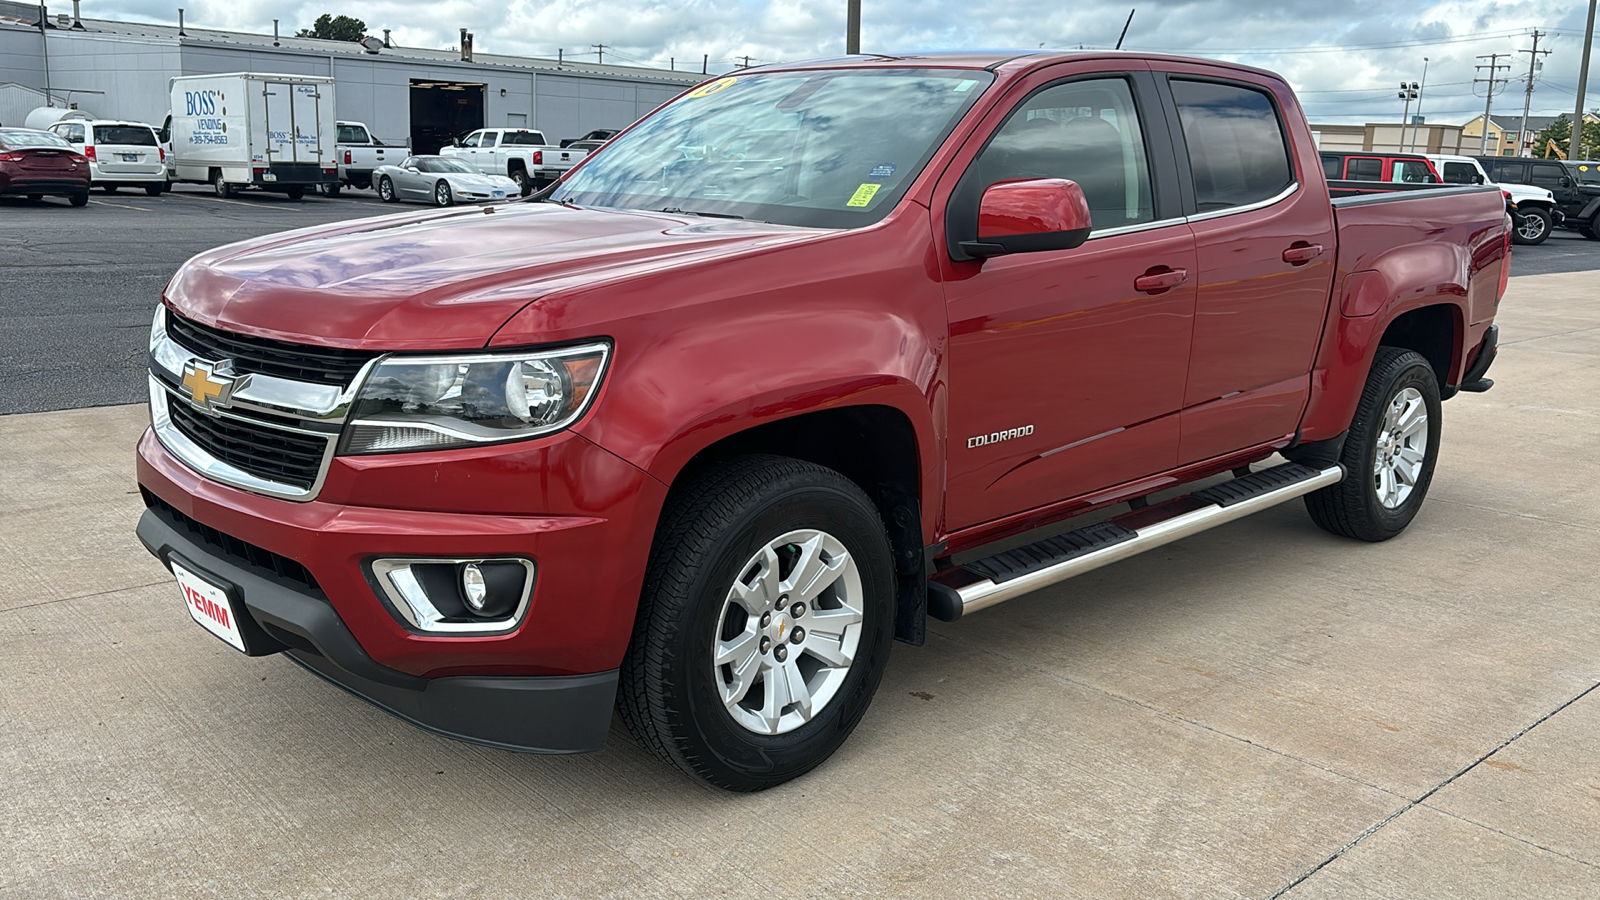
<point x="211" y="385"/>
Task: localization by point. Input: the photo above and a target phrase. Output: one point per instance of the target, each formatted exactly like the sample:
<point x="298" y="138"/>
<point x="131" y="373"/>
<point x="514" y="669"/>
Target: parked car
<point x="521" y="154"/>
<point x="440" y="180"/>
<point x="38" y="164"/>
<point x="1577" y="200"/>
<point x="698" y="438"/>
<point x="1533" y="209"/>
<point x="360" y="154"/>
<point x="598" y="136"/>
<point x="1367" y="172"/>
<point x="120" y="154"/>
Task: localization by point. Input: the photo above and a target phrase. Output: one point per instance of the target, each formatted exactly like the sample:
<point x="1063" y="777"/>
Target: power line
<point x="1339" y="48"/>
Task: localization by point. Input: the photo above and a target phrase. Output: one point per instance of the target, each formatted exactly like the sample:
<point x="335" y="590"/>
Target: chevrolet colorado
<point x="699" y="430"/>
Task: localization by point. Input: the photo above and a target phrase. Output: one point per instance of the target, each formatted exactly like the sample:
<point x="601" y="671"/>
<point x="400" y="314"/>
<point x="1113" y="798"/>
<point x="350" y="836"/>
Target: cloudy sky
<point x="1346" y="58"/>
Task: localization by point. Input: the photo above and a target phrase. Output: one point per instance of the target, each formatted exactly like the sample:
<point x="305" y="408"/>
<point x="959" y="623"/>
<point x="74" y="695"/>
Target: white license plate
<point x="209" y="606"/>
<point x="130" y="157"/>
<point x="499" y="193"/>
<point x="269" y="177"/>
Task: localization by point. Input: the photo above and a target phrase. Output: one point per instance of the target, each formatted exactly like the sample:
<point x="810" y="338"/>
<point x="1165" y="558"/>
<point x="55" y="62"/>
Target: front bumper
<point x="539" y="714"/>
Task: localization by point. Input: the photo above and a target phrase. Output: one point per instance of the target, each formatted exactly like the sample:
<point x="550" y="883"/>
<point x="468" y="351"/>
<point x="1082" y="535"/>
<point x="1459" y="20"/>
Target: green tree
<point x="335" y="28"/>
<point x="1560" y="131"/>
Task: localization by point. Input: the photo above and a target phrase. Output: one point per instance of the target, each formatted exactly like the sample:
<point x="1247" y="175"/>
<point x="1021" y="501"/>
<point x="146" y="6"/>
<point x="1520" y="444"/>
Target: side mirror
<point x="1566" y="181"/>
<point x="455" y="142"/>
<point x="1477" y="178"/>
<point x="413" y="169"/>
<point x="1029" y="216"/>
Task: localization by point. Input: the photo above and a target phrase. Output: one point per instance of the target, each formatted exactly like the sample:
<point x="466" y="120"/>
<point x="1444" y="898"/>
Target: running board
<point x="957" y="591"/>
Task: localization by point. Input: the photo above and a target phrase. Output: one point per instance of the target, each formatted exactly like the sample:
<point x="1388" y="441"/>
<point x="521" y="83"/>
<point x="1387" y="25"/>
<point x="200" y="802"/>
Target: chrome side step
<point x="955" y="592"/>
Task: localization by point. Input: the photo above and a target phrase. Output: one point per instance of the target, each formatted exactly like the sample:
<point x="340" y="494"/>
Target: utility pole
<point x="1494" y="65"/>
<point x="1408" y="93"/>
<point x="746" y="62"/>
<point x="852" y="27"/>
<point x="1420" y="91"/>
<point x="1527" y="91"/>
<point x="44" y="42"/>
<point x="600" y="53"/>
<point x="1575" y="143"/>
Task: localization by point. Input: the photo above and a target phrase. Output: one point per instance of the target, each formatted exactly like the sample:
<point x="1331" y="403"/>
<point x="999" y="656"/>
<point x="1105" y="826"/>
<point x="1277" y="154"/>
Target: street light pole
<point x="1420" y="91"/>
<point x="1583" y="82"/>
<point x="1408" y="93"/>
<point x="852" y="28"/>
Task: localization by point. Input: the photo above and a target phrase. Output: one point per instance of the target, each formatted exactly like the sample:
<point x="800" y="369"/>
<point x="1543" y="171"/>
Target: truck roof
<point x="994" y="60"/>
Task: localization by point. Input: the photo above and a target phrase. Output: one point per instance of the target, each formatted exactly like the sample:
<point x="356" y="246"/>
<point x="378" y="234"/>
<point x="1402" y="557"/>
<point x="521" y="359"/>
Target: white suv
<point x="1533" y="208"/>
<point x="120" y="153"/>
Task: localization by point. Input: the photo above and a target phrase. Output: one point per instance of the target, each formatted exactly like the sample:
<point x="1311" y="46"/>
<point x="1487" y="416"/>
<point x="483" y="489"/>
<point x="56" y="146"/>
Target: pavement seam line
<point x="1413" y="804"/>
<point x="131" y="587"/>
<point x="1520" y="840"/>
<point x="1540" y="337"/>
<point x="1171" y="716"/>
<point x="1511" y="512"/>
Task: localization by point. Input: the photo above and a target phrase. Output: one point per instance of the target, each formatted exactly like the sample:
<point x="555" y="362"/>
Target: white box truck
<point x="244" y="130"/>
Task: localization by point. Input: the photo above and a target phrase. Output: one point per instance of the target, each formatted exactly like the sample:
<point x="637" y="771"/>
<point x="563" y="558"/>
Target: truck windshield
<point x="831" y="149"/>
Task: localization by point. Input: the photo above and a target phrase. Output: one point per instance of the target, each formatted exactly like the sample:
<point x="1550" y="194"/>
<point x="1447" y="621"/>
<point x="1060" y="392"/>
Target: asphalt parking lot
<point x="1260" y="711"/>
<point x="78" y="286"/>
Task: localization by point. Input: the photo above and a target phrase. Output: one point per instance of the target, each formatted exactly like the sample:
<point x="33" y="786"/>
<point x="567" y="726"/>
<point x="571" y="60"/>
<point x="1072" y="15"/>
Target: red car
<point x="786" y="369"/>
<point x="36" y="164"/>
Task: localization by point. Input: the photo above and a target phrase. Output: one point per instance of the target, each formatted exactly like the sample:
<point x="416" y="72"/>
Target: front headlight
<point x="436" y="402"/>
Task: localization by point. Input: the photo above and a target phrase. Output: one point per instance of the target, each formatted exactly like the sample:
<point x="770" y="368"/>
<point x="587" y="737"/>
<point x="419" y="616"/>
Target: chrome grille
<point x="276" y="454"/>
<point x="262" y="356"/>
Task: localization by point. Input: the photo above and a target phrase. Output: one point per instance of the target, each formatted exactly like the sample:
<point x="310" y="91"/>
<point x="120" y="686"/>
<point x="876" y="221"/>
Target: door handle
<point x="1160" y="279"/>
<point x="1300" y="253"/>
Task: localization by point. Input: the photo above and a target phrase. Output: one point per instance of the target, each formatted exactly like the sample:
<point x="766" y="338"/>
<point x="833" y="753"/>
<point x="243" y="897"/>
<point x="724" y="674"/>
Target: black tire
<point x="156" y="188"/>
<point x="1530" y="226"/>
<point x="329" y="190"/>
<point x="81" y="198"/>
<point x="386" y="190"/>
<point x="442" y="195"/>
<point x="520" y="176"/>
<point x="709" y="530"/>
<point x="222" y="188"/>
<point x="36" y="197"/>
<point x="1591" y="230"/>
<point x="295" y="191"/>
<point x="109" y="188"/>
<point x="1352" y="508"/>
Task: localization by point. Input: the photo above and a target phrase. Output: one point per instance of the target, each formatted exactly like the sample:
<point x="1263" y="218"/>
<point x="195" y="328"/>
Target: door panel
<point x="1265" y="243"/>
<point x="1065" y="378"/>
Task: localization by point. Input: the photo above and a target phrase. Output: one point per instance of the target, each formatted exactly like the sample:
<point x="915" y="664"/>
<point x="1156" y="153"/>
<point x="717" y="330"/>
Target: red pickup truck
<point x="792" y="364"/>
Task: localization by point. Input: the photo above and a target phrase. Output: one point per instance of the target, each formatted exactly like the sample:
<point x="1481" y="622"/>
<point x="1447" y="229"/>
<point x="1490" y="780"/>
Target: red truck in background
<point x="699" y="430"/>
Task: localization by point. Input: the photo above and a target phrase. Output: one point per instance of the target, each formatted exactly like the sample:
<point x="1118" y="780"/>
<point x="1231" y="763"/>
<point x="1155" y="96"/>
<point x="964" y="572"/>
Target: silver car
<point x="441" y="181"/>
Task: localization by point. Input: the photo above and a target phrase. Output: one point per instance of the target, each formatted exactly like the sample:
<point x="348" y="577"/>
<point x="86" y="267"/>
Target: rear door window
<point x="135" y="135"/>
<point x="1237" y="154"/>
<point x="1333" y="167"/>
<point x="1364" y="168"/>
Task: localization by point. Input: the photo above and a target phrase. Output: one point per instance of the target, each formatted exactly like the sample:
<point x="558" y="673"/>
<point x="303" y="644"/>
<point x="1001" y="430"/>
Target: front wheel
<point x="765" y="623"/>
<point x="109" y="188"/>
<point x="442" y="195"/>
<point x="386" y="190"/>
<point x="1532" y="226"/>
<point x="1389" y="452"/>
<point x="1591" y="230"/>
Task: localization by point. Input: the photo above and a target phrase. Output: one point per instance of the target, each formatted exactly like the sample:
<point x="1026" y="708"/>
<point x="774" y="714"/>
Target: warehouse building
<point x="406" y="96"/>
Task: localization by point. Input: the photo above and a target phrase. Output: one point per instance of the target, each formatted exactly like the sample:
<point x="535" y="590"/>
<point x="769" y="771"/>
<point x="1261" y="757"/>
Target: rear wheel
<point x="1591" y="230"/>
<point x="764" y="626"/>
<point x="442" y="195"/>
<point x="295" y="191"/>
<point x="1389" y="452"/>
<point x="1532" y="226"/>
<point x="329" y="190"/>
<point x="156" y="189"/>
<point x="520" y="176"/>
<point x="109" y="188"/>
<point x="81" y="198"/>
<point x="386" y="190"/>
<point x="223" y="188"/>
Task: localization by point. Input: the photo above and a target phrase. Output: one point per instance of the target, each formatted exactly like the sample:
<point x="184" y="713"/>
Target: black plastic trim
<point x="1255" y="484"/>
<point x="533" y="714"/>
<point x="1473" y="381"/>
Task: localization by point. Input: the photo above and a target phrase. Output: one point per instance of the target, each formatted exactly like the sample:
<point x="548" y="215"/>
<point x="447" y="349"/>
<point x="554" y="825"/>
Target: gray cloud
<point x="1298" y="38"/>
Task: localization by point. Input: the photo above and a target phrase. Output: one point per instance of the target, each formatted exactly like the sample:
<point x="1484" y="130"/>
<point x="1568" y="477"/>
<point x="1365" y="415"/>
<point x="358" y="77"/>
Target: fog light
<point x="473" y="590"/>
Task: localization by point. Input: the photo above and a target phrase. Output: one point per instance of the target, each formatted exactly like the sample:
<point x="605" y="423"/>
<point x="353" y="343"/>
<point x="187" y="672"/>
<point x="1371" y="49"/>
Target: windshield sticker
<point x="965" y="85"/>
<point x="881" y="171"/>
<point x="864" y="195"/>
<point x="706" y="90"/>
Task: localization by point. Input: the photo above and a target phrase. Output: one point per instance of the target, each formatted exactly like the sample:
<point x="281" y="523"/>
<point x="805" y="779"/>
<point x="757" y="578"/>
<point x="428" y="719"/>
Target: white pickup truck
<point x="359" y="154"/>
<point x="1533" y="209"/>
<point x="523" y="154"/>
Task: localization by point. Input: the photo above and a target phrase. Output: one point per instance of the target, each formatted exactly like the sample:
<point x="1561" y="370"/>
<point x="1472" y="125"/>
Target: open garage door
<point x="441" y="110"/>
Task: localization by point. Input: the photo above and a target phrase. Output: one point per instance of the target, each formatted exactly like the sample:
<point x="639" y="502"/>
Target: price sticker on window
<point x="864" y="195"/>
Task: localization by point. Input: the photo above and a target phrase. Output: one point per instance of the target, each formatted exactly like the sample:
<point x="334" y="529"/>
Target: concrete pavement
<point x="1260" y="711"/>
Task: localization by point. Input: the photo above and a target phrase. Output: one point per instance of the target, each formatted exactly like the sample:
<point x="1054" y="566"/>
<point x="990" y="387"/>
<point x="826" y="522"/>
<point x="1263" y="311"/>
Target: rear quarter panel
<point x="1398" y="253"/>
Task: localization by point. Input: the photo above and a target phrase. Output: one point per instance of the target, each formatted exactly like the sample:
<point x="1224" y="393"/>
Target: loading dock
<point x="442" y="111"/>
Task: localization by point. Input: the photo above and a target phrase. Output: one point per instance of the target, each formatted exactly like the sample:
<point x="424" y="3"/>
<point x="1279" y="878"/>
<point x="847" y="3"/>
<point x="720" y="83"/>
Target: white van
<point x="250" y="130"/>
<point x="121" y="154"/>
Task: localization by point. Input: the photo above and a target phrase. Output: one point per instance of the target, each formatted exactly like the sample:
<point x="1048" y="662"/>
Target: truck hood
<point x="442" y="280"/>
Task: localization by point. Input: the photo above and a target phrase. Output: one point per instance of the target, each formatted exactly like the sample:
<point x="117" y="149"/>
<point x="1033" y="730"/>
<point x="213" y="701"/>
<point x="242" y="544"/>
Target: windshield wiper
<point x="689" y="212"/>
